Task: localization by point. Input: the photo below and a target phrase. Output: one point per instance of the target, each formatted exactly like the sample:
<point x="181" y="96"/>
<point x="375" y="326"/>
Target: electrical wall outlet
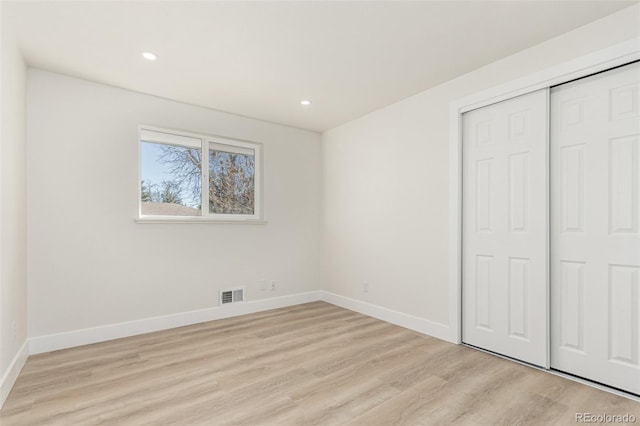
<point x="273" y="285"/>
<point x="365" y="286"/>
<point x="14" y="329"/>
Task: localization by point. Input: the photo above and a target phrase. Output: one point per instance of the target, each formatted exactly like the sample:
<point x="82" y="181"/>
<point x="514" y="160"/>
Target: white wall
<point x="13" y="231"/>
<point x="90" y="264"/>
<point x="385" y="180"/>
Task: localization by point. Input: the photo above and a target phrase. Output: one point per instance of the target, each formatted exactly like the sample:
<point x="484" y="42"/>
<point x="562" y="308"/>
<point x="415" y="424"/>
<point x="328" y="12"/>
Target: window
<point x="178" y="182"/>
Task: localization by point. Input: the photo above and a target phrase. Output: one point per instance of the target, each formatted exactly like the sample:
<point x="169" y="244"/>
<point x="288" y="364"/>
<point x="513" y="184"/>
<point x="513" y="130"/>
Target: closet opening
<point x="549" y="226"/>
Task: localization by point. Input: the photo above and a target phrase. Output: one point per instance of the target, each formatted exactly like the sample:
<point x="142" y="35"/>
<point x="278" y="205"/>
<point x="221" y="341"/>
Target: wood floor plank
<point x="312" y="364"/>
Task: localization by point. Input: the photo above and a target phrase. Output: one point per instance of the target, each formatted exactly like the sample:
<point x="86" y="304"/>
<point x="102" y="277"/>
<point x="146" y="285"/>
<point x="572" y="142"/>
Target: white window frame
<point x="203" y="142"/>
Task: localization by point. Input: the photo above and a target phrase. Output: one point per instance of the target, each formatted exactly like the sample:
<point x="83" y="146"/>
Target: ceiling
<point x="260" y="59"/>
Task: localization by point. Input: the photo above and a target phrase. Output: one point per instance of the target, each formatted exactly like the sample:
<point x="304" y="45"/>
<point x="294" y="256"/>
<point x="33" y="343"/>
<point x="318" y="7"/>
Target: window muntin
<point x="177" y="180"/>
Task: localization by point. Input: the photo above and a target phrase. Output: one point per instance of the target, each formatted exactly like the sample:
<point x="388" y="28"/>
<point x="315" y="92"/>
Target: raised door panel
<point x="518" y="288"/>
<point x="572" y="303"/>
<point x="624" y="302"/>
<point x="484" y="190"/>
<point x="519" y="202"/>
<point x="573" y="189"/>
<point x="624" y="190"/>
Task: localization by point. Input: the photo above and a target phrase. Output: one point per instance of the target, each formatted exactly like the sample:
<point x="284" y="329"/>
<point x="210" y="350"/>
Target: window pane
<point x="231" y="182"/>
<point x="171" y="180"/>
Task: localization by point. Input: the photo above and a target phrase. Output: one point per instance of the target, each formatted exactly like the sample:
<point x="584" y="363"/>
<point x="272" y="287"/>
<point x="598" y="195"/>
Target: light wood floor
<point x="305" y="365"/>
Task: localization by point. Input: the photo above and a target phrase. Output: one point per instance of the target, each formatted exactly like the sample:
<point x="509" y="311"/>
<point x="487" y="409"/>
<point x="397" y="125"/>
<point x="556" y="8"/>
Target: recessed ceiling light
<point x="305" y="102"/>
<point x="150" y="56"/>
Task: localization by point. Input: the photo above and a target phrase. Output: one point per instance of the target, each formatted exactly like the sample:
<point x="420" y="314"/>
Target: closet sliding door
<point x="505" y="193"/>
<point x="595" y="228"/>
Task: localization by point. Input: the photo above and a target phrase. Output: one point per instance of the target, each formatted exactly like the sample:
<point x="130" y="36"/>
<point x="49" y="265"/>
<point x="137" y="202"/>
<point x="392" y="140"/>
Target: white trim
<point x="547" y="221"/>
<point x="233" y="148"/>
<point x="158" y="129"/>
<point x="195" y="219"/>
<point x="169" y="138"/>
<point x="421" y="325"/>
<point x="9" y="378"/>
<point x="594" y="62"/>
<point x="86" y="336"/>
<point x="69" y="339"/>
<point x="455" y="225"/>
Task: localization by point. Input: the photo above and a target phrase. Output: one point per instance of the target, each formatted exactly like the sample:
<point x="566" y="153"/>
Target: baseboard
<point x="421" y="325"/>
<point x="12" y="373"/>
<point x="69" y="339"/>
<point x="86" y="336"/>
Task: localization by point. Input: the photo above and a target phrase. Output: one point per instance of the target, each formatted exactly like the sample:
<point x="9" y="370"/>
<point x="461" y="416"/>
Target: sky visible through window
<point x="156" y="174"/>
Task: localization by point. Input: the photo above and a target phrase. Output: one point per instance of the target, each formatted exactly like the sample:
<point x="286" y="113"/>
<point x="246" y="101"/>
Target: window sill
<point x="200" y="220"/>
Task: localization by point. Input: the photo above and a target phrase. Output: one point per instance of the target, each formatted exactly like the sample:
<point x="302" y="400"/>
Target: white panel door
<point x="595" y="228"/>
<point x="505" y="256"/>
